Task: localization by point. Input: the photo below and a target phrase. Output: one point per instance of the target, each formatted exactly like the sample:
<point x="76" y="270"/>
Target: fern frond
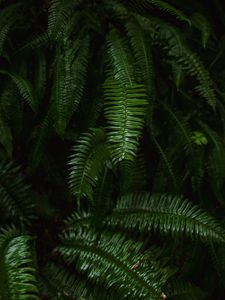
<point x="3" y="35"/>
<point x="59" y="13"/>
<point x="163" y="6"/>
<point x="125" y="110"/>
<point x="113" y="260"/>
<point x="121" y="59"/>
<point x="166" y="214"/>
<point x="141" y="44"/>
<point x="17" y="280"/>
<point x="177" y="49"/>
<point x="71" y="68"/>
<point x="201" y="23"/>
<point x="15" y="195"/>
<point x="59" y="282"/>
<point x="25" y="89"/>
<point x="87" y="163"/>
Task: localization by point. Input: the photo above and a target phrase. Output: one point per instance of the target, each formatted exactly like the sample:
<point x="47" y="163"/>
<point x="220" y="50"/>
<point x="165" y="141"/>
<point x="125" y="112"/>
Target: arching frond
<point x="113" y="260"/>
<point x="17" y="280"/>
<point x="166" y="214"/>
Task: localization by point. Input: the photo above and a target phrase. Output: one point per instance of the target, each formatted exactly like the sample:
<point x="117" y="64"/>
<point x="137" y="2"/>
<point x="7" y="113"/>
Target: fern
<point x="167" y="214"/>
<point x="201" y="23"/>
<point x="59" y="13"/>
<point x="71" y="68"/>
<point x="125" y="111"/>
<point x="87" y="163"/>
<point x="120" y="59"/>
<point x="111" y="261"/>
<point x="164" y="6"/>
<point x="141" y="45"/>
<point x="190" y="62"/>
<point x="17" y="280"/>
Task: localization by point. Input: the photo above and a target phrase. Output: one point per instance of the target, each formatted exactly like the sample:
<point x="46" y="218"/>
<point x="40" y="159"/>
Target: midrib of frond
<point x="172" y="215"/>
<point x="116" y="261"/>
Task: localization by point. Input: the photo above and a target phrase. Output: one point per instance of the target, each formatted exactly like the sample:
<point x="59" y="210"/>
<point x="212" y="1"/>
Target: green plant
<point x="114" y="111"/>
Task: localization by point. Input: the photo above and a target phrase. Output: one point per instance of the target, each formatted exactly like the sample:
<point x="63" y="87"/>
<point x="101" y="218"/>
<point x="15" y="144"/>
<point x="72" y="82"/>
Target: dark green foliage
<point x="17" y="273"/>
<point x="112" y="116"/>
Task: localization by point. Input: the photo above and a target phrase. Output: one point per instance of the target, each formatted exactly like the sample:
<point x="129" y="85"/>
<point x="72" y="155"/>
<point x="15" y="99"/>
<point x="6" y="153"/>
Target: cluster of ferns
<point x="112" y="149"/>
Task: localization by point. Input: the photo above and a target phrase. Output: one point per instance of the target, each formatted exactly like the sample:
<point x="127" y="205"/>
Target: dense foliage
<point x="112" y="149"/>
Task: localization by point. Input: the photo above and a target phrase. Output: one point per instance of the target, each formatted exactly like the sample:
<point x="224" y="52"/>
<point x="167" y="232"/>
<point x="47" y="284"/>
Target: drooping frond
<point x="166" y="214"/>
<point x="59" y="13"/>
<point x="121" y="60"/>
<point x="125" y="109"/>
<point x="113" y="260"/>
<point x="201" y="23"/>
<point x="25" y="89"/>
<point x="17" y="280"/>
<point x="70" y="71"/>
<point x="162" y="5"/>
<point x="8" y="16"/>
<point x="141" y="44"/>
<point x="87" y="163"/>
<point x="15" y="194"/>
<point x="176" y="48"/>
